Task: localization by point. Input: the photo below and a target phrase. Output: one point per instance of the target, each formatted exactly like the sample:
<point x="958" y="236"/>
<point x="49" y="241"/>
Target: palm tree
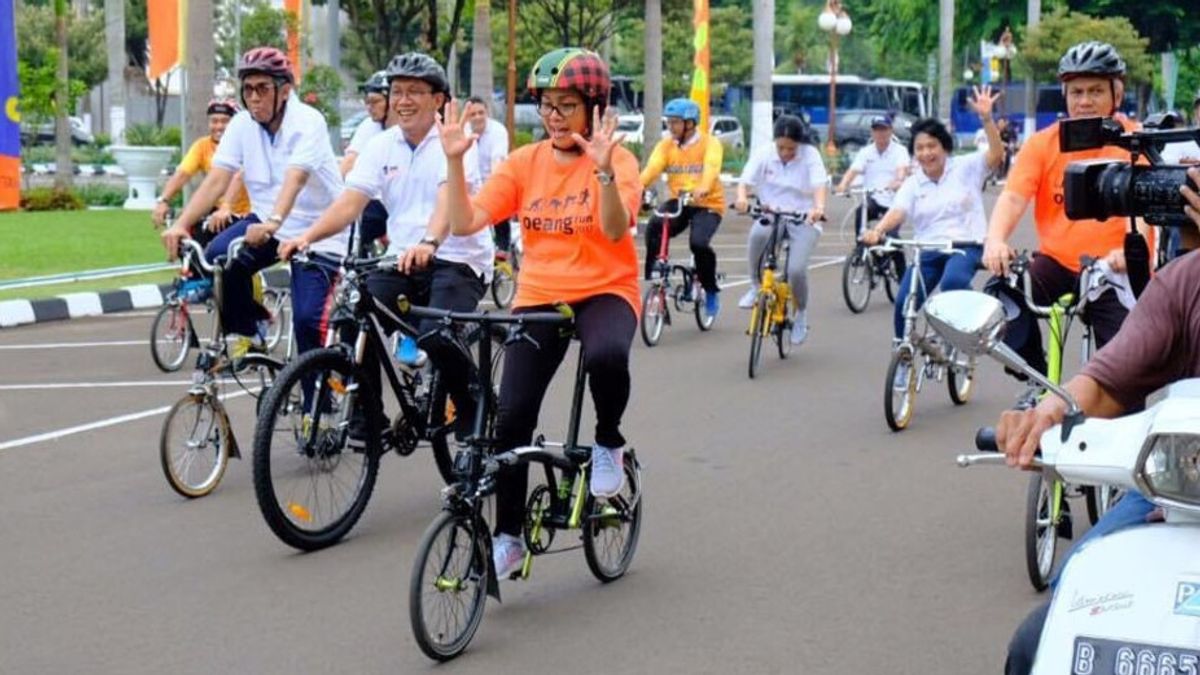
<point x="481" y="51"/>
<point x="62" y="126"/>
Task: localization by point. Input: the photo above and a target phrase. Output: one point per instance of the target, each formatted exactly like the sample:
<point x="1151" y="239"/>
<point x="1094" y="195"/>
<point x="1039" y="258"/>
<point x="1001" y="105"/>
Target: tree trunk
<point x="199" y="64"/>
<point x="652" y="96"/>
<point x="1034" y="8"/>
<point x="113" y="116"/>
<point x="482" y="79"/>
<point x="945" y="57"/>
<point x="764" y="51"/>
<point x="62" y="127"/>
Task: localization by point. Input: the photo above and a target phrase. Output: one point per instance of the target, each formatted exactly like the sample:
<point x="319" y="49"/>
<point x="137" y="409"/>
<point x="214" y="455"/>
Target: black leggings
<point x="704" y="225"/>
<point x="605" y="325"/>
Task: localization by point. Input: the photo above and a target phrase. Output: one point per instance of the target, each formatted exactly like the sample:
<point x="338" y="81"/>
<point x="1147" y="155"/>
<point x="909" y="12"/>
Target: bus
<point x="808" y="95"/>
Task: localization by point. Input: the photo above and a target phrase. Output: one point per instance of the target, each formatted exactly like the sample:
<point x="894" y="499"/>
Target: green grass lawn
<point x="113" y="283"/>
<point x="50" y="242"/>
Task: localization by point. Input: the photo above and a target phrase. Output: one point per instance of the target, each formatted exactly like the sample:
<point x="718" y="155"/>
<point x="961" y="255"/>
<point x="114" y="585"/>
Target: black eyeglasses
<point x="545" y="108"/>
<point x="260" y="90"/>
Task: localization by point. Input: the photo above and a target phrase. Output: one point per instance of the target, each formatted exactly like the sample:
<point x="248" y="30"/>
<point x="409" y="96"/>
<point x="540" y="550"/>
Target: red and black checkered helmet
<point x="572" y="68"/>
<point x="267" y="61"/>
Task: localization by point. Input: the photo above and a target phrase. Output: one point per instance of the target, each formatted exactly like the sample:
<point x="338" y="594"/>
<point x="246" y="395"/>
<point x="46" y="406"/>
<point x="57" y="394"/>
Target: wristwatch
<point x="275" y="218"/>
<point x="432" y="241"/>
<point x="604" y="178"/>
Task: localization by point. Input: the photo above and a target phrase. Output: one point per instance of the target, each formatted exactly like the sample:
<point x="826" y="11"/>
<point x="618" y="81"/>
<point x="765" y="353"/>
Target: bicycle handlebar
<point x="682" y="201"/>
<point x="483" y="317"/>
<point x="190" y="249"/>
<point x="1019" y="273"/>
<point x="891" y="244"/>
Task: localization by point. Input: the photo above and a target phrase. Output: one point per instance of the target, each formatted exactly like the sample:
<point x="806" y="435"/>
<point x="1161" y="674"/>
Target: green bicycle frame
<point x="1060" y="324"/>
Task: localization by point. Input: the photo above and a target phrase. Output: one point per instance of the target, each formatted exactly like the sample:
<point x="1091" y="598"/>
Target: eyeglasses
<point x="545" y="108"/>
<point x="411" y="94"/>
<point x="260" y="90"/>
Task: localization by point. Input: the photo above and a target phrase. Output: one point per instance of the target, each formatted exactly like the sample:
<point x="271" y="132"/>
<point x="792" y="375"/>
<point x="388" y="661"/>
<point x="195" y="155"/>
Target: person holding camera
<point x="1092" y="76"/>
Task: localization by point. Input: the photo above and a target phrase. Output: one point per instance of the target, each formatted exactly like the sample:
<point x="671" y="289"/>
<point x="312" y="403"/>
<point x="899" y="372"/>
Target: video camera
<point x="1103" y="188"/>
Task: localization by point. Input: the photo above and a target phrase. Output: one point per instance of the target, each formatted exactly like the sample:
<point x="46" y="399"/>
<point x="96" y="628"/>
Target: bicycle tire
<point x="504" y="285"/>
<point x="783" y="333"/>
<point x="654" y="308"/>
<point x="276" y="303"/>
<point x="311" y="453"/>
<point x="899" y="413"/>
<point x="180" y="333"/>
<point x="614" y="513"/>
<point x="757" y="327"/>
<point x="890" y="284"/>
<point x="704" y="320"/>
<point x="857" y="274"/>
<point x="473" y="578"/>
<point x="1041" y="535"/>
<point x="960" y="381"/>
<point x="215" y="439"/>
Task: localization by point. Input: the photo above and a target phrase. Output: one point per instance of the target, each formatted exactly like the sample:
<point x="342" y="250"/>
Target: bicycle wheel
<point x="960" y="380"/>
<point x="898" y="403"/>
<point x="1041" y="534"/>
<point x="311" y="486"/>
<point x="171" y="337"/>
<point x="704" y="320"/>
<point x="654" y="313"/>
<point x="276" y="302"/>
<point x="611" y="530"/>
<point x="194" y="444"/>
<point x="857" y="280"/>
<point x="890" y="284"/>
<point x="1100" y="498"/>
<point x="757" y="327"/>
<point x="448" y="588"/>
<point x="504" y="284"/>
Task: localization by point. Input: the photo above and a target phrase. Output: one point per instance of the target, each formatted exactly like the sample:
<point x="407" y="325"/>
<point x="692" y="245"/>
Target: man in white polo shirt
<point x="282" y="148"/>
<point x="491" y="148"/>
<point x="406" y="166"/>
<point x="884" y="164"/>
<point x="373" y="223"/>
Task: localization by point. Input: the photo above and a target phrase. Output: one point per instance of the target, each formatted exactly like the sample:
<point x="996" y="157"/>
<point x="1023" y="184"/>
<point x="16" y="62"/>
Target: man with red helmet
<point x="235" y="203"/>
<point x="281" y="146"/>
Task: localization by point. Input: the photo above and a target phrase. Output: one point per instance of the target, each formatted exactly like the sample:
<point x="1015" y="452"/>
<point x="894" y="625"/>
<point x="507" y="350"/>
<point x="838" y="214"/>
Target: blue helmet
<point x="683" y="108"/>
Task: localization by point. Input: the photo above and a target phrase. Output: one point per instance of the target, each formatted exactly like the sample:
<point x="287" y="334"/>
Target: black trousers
<point x="875" y="211"/>
<point x="704" y="225"/>
<point x="1049" y="281"/>
<point x="605" y="325"/>
<point x="502" y="235"/>
<point x="444" y="285"/>
<point x="372" y="225"/>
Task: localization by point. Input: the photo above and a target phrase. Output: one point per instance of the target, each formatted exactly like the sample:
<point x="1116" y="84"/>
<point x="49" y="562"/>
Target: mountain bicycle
<point x="678" y="282"/>
<point x="312" y="484"/>
<point x="197" y="440"/>
<point x="453" y="573"/>
<point x="920" y="350"/>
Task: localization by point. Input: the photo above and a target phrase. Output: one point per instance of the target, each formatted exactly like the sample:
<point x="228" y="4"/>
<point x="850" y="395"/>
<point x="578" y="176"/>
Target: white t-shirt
<point x="302" y="142"/>
<point x="1183" y="152"/>
<point x="407" y="181"/>
<point x="879" y="169"/>
<point x="950" y="209"/>
<point x="491" y="148"/>
<point x="365" y="131"/>
<point x="785" y="187"/>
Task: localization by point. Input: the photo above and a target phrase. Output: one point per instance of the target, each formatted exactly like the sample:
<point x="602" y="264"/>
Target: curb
<point x="78" y="305"/>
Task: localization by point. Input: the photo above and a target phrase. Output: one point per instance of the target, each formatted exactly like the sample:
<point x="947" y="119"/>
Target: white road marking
<point x="100" y="385"/>
<point x="99" y="424"/>
<point x="77" y="345"/>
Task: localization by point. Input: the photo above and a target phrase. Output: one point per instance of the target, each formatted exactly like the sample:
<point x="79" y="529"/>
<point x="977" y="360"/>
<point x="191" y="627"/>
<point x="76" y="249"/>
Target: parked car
<point x="725" y="127"/>
<point x="44" y="133"/>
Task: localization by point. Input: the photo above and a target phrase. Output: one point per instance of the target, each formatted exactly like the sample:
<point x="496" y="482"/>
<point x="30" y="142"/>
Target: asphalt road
<point x="786" y="530"/>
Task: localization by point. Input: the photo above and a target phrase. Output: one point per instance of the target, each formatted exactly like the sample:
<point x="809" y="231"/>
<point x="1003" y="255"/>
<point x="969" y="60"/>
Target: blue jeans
<point x="311" y="287"/>
<point x="1133" y="509"/>
<point x="951" y="271"/>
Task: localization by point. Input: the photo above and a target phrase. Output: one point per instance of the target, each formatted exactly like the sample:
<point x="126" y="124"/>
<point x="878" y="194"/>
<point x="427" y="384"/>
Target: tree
<point x="1045" y="44"/>
<point x="37" y="26"/>
<point x="1167" y="24"/>
<point x="262" y="26"/>
<point x="482" y="80"/>
<point x="380" y="29"/>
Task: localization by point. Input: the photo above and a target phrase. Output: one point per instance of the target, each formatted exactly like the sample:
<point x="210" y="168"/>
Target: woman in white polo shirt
<point x="943" y="199"/>
<point x="790" y="176"/>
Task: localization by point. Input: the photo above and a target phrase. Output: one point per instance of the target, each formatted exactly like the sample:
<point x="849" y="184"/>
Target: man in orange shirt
<point x="692" y="162"/>
<point x="1092" y="76"/>
<point x="235" y="203"/>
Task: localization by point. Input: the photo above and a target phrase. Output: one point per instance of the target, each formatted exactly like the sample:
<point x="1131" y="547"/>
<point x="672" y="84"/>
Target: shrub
<point x="49" y="199"/>
<point x="103" y="140"/>
<point x="98" y="194"/>
<point x="522" y="137"/>
<point x="148" y="134"/>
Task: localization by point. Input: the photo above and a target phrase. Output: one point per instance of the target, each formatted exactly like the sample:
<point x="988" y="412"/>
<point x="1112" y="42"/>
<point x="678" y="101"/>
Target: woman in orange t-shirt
<point x="576" y="195"/>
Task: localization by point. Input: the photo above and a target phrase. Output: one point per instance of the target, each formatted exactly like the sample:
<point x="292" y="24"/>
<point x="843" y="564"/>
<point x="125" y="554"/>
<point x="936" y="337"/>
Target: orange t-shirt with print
<point x="1037" y="174"/>
<point x="566" y="257"/>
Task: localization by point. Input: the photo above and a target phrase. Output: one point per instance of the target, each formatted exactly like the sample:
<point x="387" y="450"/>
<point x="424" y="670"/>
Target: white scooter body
<point x="1128" y="603"/>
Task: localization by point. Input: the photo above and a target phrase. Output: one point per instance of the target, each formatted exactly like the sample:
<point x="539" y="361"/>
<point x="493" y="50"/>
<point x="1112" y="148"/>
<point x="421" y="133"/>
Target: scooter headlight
<point x="1169" y="468"/>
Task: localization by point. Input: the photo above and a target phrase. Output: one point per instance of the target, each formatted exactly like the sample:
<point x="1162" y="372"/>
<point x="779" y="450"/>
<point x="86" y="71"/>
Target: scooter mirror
<point x="971" y="321"/>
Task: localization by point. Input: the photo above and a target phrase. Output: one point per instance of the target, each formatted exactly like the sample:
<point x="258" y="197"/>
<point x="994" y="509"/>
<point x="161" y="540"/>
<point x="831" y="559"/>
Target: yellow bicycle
<point x="774" y="305"/>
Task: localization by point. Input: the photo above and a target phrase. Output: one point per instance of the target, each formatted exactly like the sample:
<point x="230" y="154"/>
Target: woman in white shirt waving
<point x="944" y="201"/>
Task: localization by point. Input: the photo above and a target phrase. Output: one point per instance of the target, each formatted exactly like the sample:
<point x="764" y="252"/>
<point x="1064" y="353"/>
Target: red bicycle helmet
<point x="222" y="106"/>
<point x="268" y="61"/>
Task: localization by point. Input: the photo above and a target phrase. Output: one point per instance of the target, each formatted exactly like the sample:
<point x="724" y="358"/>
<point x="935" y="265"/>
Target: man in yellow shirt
<point x="236" y="202"/>
<point x="692" y="161"/>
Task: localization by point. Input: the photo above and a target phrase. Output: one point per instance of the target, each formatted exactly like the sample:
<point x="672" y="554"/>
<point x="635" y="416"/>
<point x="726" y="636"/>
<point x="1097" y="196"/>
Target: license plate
<point x="1096" y="656"/>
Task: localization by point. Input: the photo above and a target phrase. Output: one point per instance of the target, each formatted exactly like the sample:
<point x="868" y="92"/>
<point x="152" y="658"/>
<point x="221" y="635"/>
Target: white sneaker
<point x="799" y="327"/>
<point x="608" y="471"/>
<point x="900" y="383"/>
<point x="747" y="300"/>
<point x="508" y="554"/>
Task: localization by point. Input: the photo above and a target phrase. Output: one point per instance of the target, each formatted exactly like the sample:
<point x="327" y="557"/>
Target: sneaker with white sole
<point x="800" y="327"/>
<point x="608" y="471"/>
<point x="508" y="554"/>
<point x="748" y="299"/>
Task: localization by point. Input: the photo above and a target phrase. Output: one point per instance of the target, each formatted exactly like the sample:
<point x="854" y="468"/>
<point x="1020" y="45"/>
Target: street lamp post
<point x="836" y="22"/>
<point x="1006" y="56"/>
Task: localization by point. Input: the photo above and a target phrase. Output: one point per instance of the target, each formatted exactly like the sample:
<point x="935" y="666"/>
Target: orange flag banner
<point x="701" y="91"/>
<point x="162" y="23"/>
<point x="296" y="8"/>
